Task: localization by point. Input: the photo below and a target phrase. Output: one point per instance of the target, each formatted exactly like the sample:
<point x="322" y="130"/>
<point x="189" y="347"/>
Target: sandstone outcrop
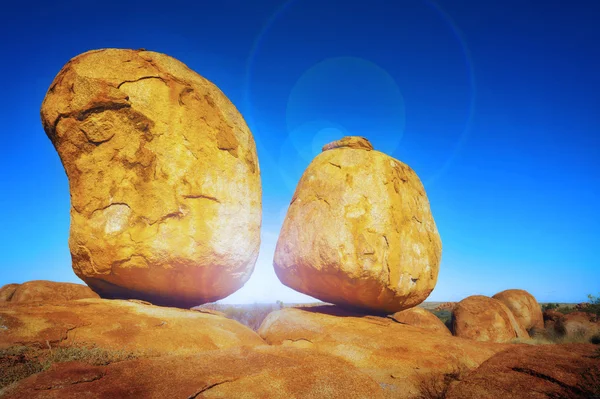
<point x="120" y="325"/>
<point x="395" y="355"/>
<point x="359" y="231"/>
<point x="44" y="291"/>
<point x="577" y="326"/>
<point x="163" y="174"/>
<point x="524" y="307"/>
<point x="421" y="318"/>
<point x="533" y="372"/>
<point x="261" y="372"/>
<point x="482" y="318"/>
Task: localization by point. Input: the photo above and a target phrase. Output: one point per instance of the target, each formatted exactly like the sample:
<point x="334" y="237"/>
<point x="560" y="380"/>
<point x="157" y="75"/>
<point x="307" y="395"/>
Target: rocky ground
<point x="54" y="345"/>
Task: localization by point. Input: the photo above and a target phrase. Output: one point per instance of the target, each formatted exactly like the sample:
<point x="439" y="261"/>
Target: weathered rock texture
<point x="483" y="318"/>
<point x="262" y="372"/>
<point x="44" y="291"/>
<point x="396" y="355"/>
<point x="359" y="231"/>
<point x="120" y="325"/>
<point x="7" y="291"/>
<point x="163" y="174"/>
<point x="421" y="318"/>
<point x="534" y="372"/>
<point x="524" y="307"/>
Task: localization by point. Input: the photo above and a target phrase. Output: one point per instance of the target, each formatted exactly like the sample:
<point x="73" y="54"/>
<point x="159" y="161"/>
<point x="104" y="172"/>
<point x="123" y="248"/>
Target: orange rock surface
<point x="395" y="355"/>
<point x="163" y="174"/>
<point x="262" y="372"/>
<point x="44" y="291"/>
<point x="421" y="318"/>
<point x="120" y="325"/>
<point x="533" y="372"/>
<point x="482" y="318"/>
<point x="524" y="307"/>
<point x="359" y="231"/>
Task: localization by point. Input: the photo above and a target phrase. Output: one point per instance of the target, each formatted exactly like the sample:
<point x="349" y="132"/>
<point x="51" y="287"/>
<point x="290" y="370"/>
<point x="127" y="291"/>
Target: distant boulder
<point x="482" y="318"/>
<point x="421" y="318"/>
<point x="359" y="231"/>
<point x="44" y="291"/>
<point x="524" y="307"/>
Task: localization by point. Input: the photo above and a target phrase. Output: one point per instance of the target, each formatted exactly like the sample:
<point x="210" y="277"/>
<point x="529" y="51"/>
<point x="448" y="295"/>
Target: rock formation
<point x="421" y="318"/>
<point x="44" y="291"/>
<point x="359" y="231"/>
<point x="395" y="355"/>
<point x="120" y="325"/>
<point x="533" y="372"/>
<point x="524" y="307"/>
<point x="483" y="318"/>
<point x="163" y="174"/>
<point x="261" y="372"/>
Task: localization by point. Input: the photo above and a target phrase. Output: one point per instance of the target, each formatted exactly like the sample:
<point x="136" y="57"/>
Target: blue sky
<point x="494" y="104"/>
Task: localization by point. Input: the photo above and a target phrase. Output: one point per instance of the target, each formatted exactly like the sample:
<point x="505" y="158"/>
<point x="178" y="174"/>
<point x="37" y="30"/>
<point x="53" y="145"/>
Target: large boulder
<point x="421" y="318"/>
<point x="120" y="325"/>
<point x="534" y="372"/>
<point x="524" y="307"/>
<point x="44" y="291"/>
<point x="262" y="372"/>
<point x="359" y="231"/>
<point x="164" y="178"/>
<point x="396" y="355"/>
<point x="482" y="318"/>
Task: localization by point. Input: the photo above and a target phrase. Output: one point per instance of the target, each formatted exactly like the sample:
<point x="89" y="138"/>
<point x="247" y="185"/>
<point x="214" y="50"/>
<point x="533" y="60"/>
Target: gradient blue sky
<point x="495" y="104"/>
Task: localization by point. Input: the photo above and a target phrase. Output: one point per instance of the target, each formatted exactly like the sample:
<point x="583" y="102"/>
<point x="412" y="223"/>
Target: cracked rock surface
<point x="483" y="318"/>
<point x="359" y="231"/>
<point x="534" y="372"/>
<point x="524" y="307"/>
<point x="163" y="175"/>
<point x="261" y="372"/>
<point x="120" y="325"/>
<point x="395" y="355"/>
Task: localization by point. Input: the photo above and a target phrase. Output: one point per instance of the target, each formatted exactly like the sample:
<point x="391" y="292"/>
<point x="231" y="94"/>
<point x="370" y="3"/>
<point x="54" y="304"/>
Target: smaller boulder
<point x="482" y="318"/>
<point x="421" y="318"/>
<point x="45" y="291"/>
<point x="524" y="307"/>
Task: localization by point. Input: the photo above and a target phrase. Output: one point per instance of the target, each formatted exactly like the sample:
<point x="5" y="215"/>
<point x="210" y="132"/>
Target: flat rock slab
<point x="262" y="372"/>
<point x="395" y="355"/>
<point x="534" y="372"/>
<point x="44" y="291"/>
<point x="122" y="325"/>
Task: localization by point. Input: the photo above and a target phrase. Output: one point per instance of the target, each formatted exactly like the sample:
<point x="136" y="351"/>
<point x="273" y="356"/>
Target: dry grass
<point x="19" y="362"/>
<point x="435" y="386"/>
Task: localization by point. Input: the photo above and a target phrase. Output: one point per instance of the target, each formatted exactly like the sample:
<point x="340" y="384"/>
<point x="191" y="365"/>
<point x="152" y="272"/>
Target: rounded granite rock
<point x="163" y="174"/>
<point x="359" y="231"/>
<point x="524" y="307"/>
<point x="482" y="318"/>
